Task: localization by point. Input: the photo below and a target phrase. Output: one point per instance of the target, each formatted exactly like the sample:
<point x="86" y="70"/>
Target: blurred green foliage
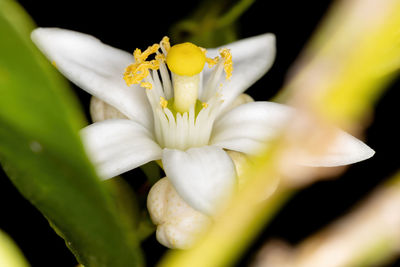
<point x="41" y="152"/>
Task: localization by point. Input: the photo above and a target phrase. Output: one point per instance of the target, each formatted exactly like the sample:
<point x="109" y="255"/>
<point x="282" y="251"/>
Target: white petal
<point x="204" y="177"/>
<point x="248" y="128"/>
<point x="96" y="68"/>
<point x="252" y="58"/>
<point x="117" y="146"/>
<point x="344" y="150"/>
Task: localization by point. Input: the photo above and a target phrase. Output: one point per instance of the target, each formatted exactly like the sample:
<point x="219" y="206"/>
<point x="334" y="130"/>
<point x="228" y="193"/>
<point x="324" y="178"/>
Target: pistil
<point x="186" y="90"/>
<point x="185" y="61"/>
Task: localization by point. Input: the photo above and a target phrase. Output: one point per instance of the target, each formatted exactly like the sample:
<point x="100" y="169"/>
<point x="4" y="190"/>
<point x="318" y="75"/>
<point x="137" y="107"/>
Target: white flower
<point x="191" y="146"/>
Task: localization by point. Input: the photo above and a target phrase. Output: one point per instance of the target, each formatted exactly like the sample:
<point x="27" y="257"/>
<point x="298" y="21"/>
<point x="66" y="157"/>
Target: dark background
<point x="131" y="24"/>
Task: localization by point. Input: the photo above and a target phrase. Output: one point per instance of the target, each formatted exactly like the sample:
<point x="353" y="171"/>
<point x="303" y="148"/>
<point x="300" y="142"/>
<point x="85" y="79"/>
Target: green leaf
<point x="41" y="152"/>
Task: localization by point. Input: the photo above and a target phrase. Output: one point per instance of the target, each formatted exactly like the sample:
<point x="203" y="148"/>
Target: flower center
<point x="184" y="109"/>
<point x="185" y="61"/>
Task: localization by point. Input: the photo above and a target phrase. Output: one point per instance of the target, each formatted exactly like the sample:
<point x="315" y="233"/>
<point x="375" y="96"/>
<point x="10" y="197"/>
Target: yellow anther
<point x="139" y="56"/>
<point x="186" y="59"/>
<point x="146" y="85"/>
<point x="136" y="72"/>
<point x="228" y="65"/>
<point x="160" y="57"/>
<point x="163" y="102"/>
<point x="210" y="61"/>
<point x="139" y="70"/>
<point x="165" y="43"/>
<point x="204" y="104"/>
<point x="54" y="64"/>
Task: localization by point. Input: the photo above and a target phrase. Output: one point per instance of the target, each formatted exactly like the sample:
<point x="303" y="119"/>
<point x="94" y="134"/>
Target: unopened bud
<point x="178" y="224"/>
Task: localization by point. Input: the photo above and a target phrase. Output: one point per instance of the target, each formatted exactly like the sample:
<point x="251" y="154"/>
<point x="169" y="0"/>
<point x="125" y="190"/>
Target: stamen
<point x="139" y="57"/>
<point x="146" y="85"/>
<point x="204" y="104"/>
<point x="228" y="65"/>
<point x="165" y="43"/>
<point x="160" y="57"/>
<point x="163" y="102"/>
<point x="139" y="70"/>
<point x="210" y="61"/>
<point x="136" y="72"/>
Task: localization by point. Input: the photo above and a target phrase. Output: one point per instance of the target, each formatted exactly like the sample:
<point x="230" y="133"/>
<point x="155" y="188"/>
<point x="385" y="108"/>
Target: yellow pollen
<point x="210" y="61"/>
<point x="163" y="102"/>
<point x="186" y="59"/>
<point x="226" y="55"/>
<point x="146" y="85"/>
<point x="139" y="70"/>
<point x="160" y="57"/>
<point x="205" y="105"/>
<point x="136" y="72"/>
<point x="228" y="65"/>
<point x="150" y="50"/>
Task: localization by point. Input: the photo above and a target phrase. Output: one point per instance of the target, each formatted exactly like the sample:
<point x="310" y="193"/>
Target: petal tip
<point x="270" y="37"/>
<point x="369" y="152"/>
<point x="37" y="32"/>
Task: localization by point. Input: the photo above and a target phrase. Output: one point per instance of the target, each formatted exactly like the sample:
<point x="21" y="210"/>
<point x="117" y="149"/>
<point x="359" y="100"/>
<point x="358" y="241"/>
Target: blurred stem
<point x="234" y="13"/>
<point x="368" y="236"/>
<point x="213" y="23"/>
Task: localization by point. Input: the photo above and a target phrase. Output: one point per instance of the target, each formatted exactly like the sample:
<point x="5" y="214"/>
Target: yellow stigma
<point x="186" y="59"/>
